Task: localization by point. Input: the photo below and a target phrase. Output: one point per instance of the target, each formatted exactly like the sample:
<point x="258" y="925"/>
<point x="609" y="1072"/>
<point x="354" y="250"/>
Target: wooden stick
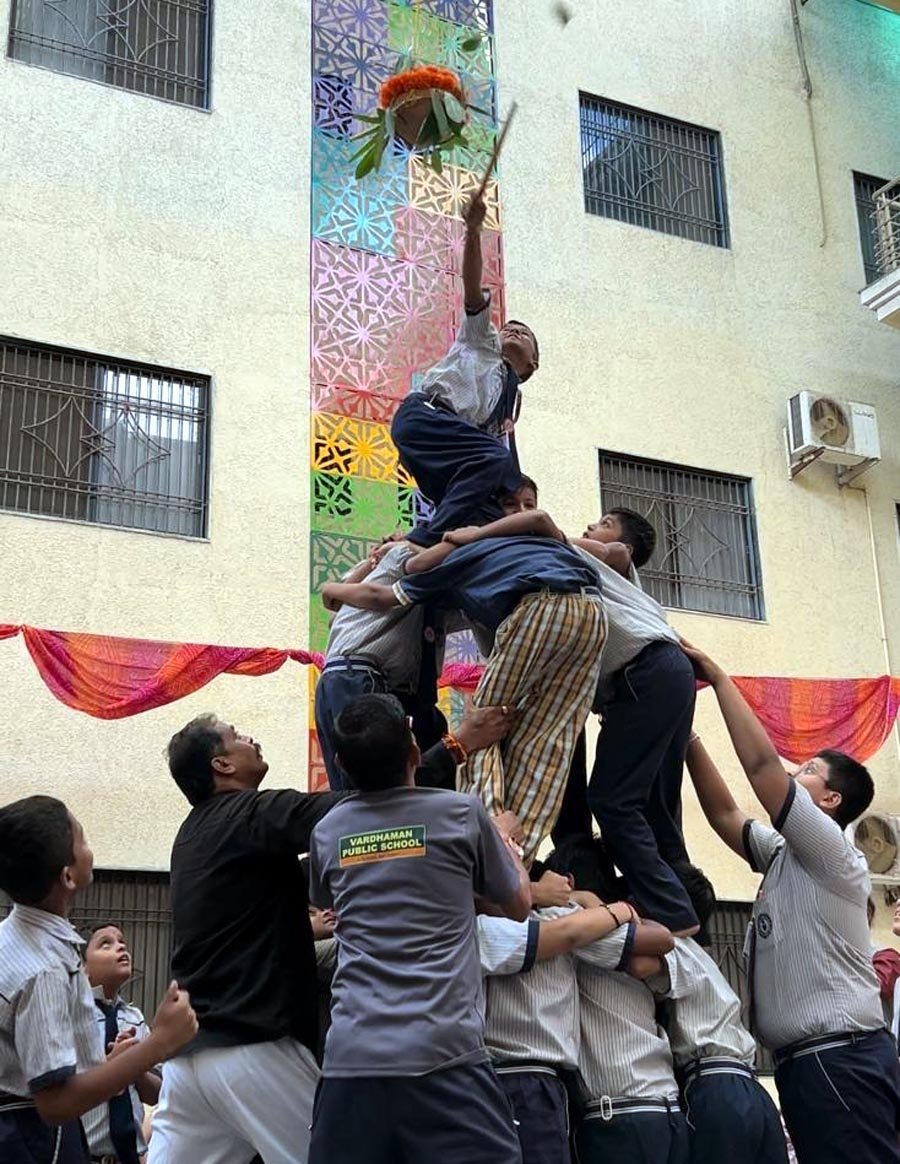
<point x="495" y="153"/>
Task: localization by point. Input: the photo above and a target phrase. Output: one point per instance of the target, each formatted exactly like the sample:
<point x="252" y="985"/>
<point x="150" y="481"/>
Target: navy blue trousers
<point x="635" y="787"/>
<point x="26" y="1139"/>
<point x="458" y="467"/>
<point x="648" y="1138"/>
<point x="732" y="1120"/>
<point x="844" y="1104"/>
<point x="338" y="686"/>
<point x="540" y="1108"/>
<point x="460" y="1115"/>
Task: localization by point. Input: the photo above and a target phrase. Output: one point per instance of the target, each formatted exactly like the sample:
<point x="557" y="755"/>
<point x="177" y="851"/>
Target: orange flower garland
<point x="424" y="77"/>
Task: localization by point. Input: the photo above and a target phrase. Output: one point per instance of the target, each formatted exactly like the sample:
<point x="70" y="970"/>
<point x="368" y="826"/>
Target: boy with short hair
<point x="543" y="602"/>
<point x="405" y="1076"/>
<point x="115" y="1130"/>
<point x="452" y="430"/>
<point x="645" y="698"/>
<point x="531" y="1007"/>
<point x="371" y="652"/>
<point x="52" y="1065"/>
<point x="814" y="994"/>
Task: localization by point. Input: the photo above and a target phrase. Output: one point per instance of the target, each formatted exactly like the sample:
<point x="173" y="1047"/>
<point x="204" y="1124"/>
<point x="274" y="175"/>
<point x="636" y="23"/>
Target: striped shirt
<point x="471" y="376"/>
<point x="635" y="621"/>
<point x="96" y="1121"/>
<point x="705" y="1016"/>
<point x="533" y="1016"/>
<point x="47" y="1026"/>
<point x="624" y="1053"/>
<point x="392" y="639"/>
<point x="808" y="942"/>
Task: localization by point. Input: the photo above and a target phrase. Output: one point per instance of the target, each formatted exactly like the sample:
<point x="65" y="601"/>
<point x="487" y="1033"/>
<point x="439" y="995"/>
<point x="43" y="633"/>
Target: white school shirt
<point x="470" y="378"/>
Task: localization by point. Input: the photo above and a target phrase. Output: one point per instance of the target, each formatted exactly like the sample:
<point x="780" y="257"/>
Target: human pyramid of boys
<point x="485" y="1006"/>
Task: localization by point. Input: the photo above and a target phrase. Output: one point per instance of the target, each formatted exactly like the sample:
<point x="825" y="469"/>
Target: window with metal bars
<point x="156" y="47"/>
<point x="88" y="439"/>
<point x="864" y="187"/>
<point x="652" y="171"/>
<point x="706" y="555"/>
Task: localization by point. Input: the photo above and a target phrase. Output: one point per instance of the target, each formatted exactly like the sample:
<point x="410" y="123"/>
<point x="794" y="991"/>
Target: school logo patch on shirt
<point x="381" y="845"/>
<point x="764" y="926"/>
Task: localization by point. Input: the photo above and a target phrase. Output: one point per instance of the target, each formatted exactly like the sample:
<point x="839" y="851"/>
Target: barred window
<point x="87" y="439"/>
<point x="706" y="555"/>
<point x="157" y="47"/>
<point x="652" y="171"/>
<point x="864" y="187"/>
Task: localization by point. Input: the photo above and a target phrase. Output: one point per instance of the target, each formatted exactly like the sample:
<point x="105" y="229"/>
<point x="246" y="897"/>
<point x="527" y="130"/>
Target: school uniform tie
<point x="122" y="1131"/>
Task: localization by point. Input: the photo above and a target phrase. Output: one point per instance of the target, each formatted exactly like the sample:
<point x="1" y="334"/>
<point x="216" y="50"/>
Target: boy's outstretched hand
<point x="474" y="213"/>
<point x="705" y="668"/>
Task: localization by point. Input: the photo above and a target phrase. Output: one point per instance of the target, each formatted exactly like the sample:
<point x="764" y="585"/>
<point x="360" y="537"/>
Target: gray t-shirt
<point x="401" y="868"/>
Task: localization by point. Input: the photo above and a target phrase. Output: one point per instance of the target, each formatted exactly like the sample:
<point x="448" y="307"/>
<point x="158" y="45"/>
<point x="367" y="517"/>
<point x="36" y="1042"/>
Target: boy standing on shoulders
<point x="52" y="1065"/>
<point x="452" y="430"/>
<point x="814" y="994"/>
<point x="401" y="867"/>
<point x="115" y="1130"/>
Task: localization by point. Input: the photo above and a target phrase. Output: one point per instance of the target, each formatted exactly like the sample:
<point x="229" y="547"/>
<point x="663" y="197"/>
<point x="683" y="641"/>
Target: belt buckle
<point x="606" y="1108"/>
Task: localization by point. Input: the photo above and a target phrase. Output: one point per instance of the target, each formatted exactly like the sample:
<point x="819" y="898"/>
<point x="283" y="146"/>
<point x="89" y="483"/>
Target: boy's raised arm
<point x="755" y="751"/>
<point x="472" y="263"/>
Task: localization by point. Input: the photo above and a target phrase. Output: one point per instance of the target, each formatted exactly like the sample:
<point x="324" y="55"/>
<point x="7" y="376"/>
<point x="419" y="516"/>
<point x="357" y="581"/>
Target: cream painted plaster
<point x="150" y="231"/>
<point x="674" y="350"/>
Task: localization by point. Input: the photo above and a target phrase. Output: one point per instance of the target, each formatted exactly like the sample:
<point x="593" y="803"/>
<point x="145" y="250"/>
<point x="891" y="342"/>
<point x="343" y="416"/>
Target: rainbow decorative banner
<point x="384" y="284"/>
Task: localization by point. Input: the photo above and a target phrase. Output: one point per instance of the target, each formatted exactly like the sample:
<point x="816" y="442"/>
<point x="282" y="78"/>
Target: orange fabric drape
<point x="111" y="678"/>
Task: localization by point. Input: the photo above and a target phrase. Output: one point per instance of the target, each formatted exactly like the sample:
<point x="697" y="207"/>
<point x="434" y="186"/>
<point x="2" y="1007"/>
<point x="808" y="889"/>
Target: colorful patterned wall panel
<point x="384" y="285"/>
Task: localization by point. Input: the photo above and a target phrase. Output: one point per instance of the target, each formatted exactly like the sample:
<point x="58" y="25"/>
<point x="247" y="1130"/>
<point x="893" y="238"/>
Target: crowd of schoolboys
<point x="485" y="1005"/>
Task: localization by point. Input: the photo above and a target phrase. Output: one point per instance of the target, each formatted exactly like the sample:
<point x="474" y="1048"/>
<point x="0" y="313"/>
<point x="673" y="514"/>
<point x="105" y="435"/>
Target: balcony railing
<point x="887" y="227"/>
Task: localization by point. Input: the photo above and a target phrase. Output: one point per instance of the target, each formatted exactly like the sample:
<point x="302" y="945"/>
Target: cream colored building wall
<point x="674" y="350"/>
<point x="155" y="232"/>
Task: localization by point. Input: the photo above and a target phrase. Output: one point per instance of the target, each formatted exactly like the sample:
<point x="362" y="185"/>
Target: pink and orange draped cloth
<point x="111" y="678"/>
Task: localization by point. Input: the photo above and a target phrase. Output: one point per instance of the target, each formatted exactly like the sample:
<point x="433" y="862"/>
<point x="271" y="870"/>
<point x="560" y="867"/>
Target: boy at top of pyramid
<point x="453" y="430"/>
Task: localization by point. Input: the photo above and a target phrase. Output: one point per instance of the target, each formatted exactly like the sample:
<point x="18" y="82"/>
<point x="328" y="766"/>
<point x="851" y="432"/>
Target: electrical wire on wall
<point x="808" y="95"/>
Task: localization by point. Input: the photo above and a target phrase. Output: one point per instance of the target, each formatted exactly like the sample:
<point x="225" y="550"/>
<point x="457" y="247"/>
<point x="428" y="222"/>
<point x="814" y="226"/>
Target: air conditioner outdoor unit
<point x="877" y="836"/>
<point x="841" y="432"/>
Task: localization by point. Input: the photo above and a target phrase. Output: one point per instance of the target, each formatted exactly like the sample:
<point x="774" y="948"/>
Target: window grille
<point x="706" y="555"/>
<point x="652" y="171"/>
<point x="86" y="439"/>
<point x="156" y="47"/>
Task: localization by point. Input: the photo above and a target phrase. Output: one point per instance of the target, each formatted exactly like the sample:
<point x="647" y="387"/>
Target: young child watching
<point x="53" y="1067"/>
<point x="115" y="1129"/>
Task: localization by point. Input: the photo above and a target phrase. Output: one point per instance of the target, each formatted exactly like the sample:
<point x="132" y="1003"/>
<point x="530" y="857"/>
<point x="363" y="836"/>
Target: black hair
<point x="36" y="844"/>
<point x="106" y="924"/>
<point x="590" y="865"/>
<point x="637" y="532"/>
<point x="190" y="754"/>
<point x="852" y="780"/>
<point x="537" y="351"/>
<point x="700" y="890"/>
<point x="372" y="741"/>
<point x="525" y="482"/>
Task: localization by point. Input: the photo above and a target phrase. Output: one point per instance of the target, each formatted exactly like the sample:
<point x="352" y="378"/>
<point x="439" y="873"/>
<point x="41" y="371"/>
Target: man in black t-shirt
<point x="244" y="948"/>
